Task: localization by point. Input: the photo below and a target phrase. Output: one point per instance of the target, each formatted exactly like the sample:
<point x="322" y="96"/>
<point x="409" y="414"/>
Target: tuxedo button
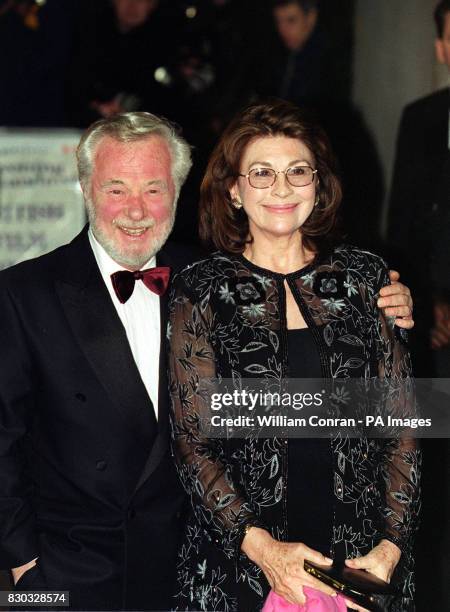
<point x="131" y="513"/>
<point x="101" y="465"/>
<point x="81" y="397"/>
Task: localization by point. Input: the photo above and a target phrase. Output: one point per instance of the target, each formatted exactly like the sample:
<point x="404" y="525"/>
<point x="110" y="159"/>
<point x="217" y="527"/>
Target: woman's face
<point x="280" y="210"/>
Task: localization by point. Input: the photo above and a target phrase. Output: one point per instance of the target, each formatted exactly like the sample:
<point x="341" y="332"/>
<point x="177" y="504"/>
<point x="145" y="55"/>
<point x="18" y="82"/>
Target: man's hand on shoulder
<point x="18" y="572"/>
<point x="396" y="301"/>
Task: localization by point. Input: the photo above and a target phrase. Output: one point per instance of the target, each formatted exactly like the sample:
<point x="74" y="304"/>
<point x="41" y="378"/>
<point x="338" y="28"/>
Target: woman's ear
<point x="235" y="196"/>
<point x="234" y="192"/>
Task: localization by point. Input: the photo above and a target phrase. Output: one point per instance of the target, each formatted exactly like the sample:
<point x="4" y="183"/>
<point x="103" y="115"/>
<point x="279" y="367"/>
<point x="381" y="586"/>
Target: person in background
<point x="120" y="61"/>
<point x="304" y="61"/>
<point x="440" y="261"/>
<point x="419" y="202"/>
<point x="283" y="297"/>
<point x="214" y="38"/>
<point x="419" y="237"/>
<point x="36" y="45"/>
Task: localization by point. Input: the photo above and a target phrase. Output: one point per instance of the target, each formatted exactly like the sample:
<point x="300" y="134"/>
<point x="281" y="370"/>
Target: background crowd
<point x="196" y="63"/>
<point x="66" y="63"/>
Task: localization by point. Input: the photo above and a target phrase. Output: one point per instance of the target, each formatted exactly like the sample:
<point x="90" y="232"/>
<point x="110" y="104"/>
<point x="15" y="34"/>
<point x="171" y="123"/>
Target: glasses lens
<point x="299" y="176"/>
<point x="261" y="177"/>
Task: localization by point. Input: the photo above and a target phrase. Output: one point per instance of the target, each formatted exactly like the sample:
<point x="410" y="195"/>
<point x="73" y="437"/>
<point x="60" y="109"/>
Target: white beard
<point x="129" y="260"/>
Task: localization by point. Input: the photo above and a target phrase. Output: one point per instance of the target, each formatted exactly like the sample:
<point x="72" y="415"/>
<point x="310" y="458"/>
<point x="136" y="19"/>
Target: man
<point x="419" y="227"/>
<point x="83" y="386"/>
<point x="419" y="202"/>
<point x="89" y="501"/>
<point x="440" y="260"/>
<point x="296" y="67"/>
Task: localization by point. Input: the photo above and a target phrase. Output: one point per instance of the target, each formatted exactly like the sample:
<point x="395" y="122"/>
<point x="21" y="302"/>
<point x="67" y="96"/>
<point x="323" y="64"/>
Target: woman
<point x="280" y="299"/>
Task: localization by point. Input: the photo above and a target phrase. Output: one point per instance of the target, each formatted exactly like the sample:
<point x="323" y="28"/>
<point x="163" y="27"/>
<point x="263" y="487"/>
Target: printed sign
<point x="41" y="205"/>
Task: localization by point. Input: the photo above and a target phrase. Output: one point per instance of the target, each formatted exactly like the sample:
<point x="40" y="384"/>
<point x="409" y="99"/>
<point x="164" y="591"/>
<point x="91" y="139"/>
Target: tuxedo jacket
<point x="440" y="250"/>
<point x="87" y="482"/>
<point x="415" y="210"/>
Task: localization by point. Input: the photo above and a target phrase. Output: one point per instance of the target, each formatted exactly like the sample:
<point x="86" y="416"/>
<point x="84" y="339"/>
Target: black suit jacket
<point x="440" y="251"/>
<point x="87" y="482"/>
<point x="422" y="147"/>
<point x="415" y="210"/>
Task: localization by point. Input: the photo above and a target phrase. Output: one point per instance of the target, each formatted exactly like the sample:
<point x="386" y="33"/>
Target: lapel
<point x="102" y="337"/>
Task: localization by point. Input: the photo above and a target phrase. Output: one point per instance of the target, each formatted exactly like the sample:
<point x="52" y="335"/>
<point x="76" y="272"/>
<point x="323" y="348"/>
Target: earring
<point x="236" y="203"/>
<point x="317" y="201"/>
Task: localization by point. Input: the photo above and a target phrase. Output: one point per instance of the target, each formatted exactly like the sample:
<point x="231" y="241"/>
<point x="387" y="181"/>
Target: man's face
<point x="443" y="44"/>
<point x="293" y="25"/>
<point x="131" y="198"/>
<point x="133" y="13"/>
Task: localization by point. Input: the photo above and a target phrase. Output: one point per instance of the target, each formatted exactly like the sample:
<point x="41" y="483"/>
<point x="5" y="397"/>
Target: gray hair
<point x="130" y="127"/>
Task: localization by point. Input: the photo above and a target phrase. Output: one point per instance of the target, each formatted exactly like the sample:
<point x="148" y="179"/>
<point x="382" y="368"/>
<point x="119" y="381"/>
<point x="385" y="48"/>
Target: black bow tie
<point x="155" y="279"/>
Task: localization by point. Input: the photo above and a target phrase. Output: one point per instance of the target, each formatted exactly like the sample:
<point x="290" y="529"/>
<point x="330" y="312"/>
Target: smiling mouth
<point x="133" y="231"/>
<point x="281" y="208"/>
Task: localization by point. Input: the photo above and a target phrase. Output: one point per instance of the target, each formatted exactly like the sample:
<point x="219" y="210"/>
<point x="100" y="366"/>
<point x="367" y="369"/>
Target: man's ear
<point x="439" y="50"/>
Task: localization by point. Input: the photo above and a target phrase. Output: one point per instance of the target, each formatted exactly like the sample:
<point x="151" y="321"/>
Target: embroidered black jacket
<point x="227" y="319"/>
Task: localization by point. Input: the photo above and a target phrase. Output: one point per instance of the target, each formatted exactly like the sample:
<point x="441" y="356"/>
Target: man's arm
<point x="396" y="301"/>
<point x="18" y="540"/>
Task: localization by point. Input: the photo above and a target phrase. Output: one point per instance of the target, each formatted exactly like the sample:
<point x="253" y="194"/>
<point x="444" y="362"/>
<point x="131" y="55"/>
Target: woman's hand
<point x="380" y="561"/>
<point x="282" y="564"/>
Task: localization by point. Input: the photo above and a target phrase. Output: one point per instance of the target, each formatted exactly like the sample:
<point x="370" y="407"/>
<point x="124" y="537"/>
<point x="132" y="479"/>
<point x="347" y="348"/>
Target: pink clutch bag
<point x="316" y="601"/>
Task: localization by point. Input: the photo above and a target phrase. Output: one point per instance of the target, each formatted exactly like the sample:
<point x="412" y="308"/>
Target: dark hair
<point x="227" y="228"/>
<point x="306" y="5"/>
<point x="439" y="16"/>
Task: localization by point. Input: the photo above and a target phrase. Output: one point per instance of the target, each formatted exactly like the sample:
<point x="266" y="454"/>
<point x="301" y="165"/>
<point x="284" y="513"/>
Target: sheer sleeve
<point x="400" y="468"/>
<point x="202" y="463"/>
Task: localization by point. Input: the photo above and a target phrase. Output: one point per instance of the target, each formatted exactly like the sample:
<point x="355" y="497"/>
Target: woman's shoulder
<point x="353" y="256"/>
<point x="357" y="267"/>
<point x="209" y="268"/>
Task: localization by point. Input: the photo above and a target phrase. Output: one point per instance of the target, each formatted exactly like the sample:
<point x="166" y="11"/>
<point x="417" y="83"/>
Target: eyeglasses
<point x="297" y="176"/>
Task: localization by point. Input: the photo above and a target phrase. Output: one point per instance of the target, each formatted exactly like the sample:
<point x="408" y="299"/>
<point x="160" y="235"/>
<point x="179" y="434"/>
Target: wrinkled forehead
<point x="147" y="157"/>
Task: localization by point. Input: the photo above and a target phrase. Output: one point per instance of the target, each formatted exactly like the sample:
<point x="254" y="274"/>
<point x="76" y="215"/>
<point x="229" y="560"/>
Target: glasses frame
<point x="276" y="173"/>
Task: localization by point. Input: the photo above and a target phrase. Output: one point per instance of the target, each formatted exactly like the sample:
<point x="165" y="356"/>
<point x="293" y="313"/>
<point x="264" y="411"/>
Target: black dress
<point x="310" y="467"/>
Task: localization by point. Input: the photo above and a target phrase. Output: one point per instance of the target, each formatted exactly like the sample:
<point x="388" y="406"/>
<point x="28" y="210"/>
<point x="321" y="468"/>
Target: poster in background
<point x="41" y="205"/>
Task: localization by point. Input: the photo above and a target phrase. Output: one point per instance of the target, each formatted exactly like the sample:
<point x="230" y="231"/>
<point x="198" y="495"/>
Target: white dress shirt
<point x="140" y="316"/>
